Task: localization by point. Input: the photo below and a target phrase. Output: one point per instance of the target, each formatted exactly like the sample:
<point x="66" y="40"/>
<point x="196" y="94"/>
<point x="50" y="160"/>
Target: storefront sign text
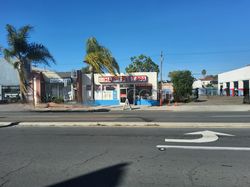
<point x="123" y="79"/>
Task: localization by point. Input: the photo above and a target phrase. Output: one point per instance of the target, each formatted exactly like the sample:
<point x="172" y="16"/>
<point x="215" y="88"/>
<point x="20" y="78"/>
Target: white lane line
<point x="162" y="147"/>
<point x="232" y="116"/>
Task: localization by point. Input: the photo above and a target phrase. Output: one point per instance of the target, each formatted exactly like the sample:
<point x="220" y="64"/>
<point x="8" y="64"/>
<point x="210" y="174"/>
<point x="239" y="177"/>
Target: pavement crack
<point x="5" y="182"/>
<point x="15" y="171"/>
<point x="86" y="161"/>
<point x="192" y="172"/>
<point x="92" y="158"/>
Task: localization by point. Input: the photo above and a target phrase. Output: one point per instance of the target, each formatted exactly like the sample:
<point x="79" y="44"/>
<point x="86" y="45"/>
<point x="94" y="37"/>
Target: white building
<point x="9" y="81"/>
<point x="204" y="82"/>
<point x="235" y="82"/>
<point x="140" y="88"/>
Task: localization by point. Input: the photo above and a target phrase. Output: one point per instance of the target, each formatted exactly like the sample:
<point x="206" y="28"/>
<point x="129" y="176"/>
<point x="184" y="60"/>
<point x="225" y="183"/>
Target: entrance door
<point x="123" y="95"/>
<point x="228" y="89"/>
<point x="246" y="87"/>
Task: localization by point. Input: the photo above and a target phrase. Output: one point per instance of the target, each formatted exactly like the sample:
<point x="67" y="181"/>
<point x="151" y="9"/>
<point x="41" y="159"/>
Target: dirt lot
<point x="218" y="100"/>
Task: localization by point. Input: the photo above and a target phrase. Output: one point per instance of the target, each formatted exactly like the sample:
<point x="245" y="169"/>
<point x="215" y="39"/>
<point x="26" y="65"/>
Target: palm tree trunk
<point x="23" y="87"/>
<point x="92" y="85"/>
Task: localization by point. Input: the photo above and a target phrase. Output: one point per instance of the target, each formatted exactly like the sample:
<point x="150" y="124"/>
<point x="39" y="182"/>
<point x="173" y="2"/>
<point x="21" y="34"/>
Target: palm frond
<point x="8" y="55"/>
<point x="92" y="45"/>
<point x="17" y="39"/>
<point x="92" y="59"/>
<point x="12" y="34"/>
<point x="116" y="65"/>
<point x="23" y="32"/>
<point x="100" y="58"/>
<point x="38" y="53"/>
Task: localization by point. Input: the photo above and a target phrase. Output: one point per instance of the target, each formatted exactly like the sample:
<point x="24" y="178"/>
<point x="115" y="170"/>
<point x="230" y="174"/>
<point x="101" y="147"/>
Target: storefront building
<point x="140" y="88"/>
<point x="235" y="82"/>
<point x="9" y="82"/>
<point x="48" y="86"/>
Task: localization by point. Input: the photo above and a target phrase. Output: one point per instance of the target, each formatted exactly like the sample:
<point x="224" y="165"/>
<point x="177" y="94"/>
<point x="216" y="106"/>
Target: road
<point x="118" y="156"/>
<point x="126" y="116"/>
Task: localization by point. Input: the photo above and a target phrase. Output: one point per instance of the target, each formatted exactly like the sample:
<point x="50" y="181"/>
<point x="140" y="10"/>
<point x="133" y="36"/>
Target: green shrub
<point x="58" y="100"/>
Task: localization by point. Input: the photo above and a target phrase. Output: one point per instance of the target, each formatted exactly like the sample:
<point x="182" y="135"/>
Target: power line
<point x="212" y="52"/>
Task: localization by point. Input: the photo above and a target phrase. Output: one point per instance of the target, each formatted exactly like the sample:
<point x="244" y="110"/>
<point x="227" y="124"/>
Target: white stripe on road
<point x="232" y="116"/>
<point x="162" y="147"/>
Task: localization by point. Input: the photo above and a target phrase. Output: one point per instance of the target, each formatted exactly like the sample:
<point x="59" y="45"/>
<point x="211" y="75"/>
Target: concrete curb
<point x="130" y="124"/>
<point x="2" y="124"/>
<point x="181" y="108"/>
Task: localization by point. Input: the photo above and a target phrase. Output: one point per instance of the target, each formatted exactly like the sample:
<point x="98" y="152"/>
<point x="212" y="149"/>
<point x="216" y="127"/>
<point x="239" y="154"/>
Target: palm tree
<point x="21" y="54"/>
<point x="100" y="60"/>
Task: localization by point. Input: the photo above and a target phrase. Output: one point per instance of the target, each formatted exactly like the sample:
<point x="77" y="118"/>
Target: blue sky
<point x="194" y="34"/>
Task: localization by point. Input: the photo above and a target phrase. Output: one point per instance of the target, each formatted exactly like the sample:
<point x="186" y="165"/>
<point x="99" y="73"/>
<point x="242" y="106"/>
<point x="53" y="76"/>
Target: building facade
<point x="206" y="86"/>
<point x="235" y="82"/>
<point x="140" y="88"/>
<point x="9" y="81"/>
<point x="49" y="85"/>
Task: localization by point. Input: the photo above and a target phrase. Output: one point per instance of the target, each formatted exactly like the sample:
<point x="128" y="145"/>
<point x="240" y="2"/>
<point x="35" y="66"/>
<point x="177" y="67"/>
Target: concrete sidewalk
<point x="74" y="108"/>
<point x="176" y="108"/>
<point x="200" y="108"/>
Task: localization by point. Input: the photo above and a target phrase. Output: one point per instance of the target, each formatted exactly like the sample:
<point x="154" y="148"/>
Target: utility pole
<point x="161" y="79"/>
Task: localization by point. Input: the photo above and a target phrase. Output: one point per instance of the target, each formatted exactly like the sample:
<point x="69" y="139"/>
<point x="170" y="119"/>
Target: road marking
<point x="232" y="116"/>
<point x="207" y="136"/>
<point x="164" y="147"/>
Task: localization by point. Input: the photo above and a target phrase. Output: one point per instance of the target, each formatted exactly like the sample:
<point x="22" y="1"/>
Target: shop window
<point x="109" y="87"/>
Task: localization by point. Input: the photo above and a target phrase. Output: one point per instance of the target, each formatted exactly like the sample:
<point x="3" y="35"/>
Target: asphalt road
<point x="125" y="116"/>
<point x="116" y="156"/>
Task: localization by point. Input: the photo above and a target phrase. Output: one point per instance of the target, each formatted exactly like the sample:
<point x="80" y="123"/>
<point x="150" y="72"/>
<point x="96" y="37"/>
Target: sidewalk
<point x="200" y="108"/>
<point x="81" y="108"/>
<point x="176" y="108"/>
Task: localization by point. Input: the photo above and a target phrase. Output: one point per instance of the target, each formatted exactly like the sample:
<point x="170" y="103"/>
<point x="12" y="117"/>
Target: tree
<point x="100" y="60"/>
<point x="182" y="84"/>
<point x="142" y="63"/>
<point x="22" y="54"/>
<point x="204" y="72"/>
<point x="86" y="70"/>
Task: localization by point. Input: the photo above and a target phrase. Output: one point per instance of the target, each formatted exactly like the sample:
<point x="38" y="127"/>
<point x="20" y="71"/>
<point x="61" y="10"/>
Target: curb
<point x="129" y="124"/>
<point x="2" y="124"/>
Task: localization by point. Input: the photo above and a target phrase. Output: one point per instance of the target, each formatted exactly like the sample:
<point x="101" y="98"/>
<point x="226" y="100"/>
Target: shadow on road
<point x="109" y="176"/>
<point x="72" y="111"/>
<point x="200" y="100"/>
<point x="10" y="125"/>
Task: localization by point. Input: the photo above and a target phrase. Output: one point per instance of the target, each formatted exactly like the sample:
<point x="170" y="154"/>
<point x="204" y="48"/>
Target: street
<point x="124" y="116"/>
<point x="118" y="156"/>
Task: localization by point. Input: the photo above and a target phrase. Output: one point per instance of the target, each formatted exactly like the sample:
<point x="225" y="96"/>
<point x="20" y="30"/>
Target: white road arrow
<point x="207" y="136"/>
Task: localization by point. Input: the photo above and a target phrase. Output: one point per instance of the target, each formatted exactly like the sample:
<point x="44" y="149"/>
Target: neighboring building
<point x="140" y="88"/>
<point x="206" y="86"/>
<point x="235" y="82"/>
<point x="167" y="90"/>
<point x="205" y="82"/>
<point x="49" y="84"/>
<point x="167" y="87"/>
<point x="9" y="81"/>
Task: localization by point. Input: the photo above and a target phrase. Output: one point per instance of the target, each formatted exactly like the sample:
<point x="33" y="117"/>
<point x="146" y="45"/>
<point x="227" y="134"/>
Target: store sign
<point x="123" y="79"/>
<point x="64" y="81"/>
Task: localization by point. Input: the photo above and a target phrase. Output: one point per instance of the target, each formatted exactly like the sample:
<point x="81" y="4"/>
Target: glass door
<point x="123" y="95"/>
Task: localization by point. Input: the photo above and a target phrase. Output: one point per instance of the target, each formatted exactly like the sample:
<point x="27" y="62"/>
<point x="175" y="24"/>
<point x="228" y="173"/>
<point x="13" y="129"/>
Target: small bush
<point x="58" y="100"/>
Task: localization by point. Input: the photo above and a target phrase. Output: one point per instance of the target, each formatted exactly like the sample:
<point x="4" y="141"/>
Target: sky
<point x="193" y="35"/>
